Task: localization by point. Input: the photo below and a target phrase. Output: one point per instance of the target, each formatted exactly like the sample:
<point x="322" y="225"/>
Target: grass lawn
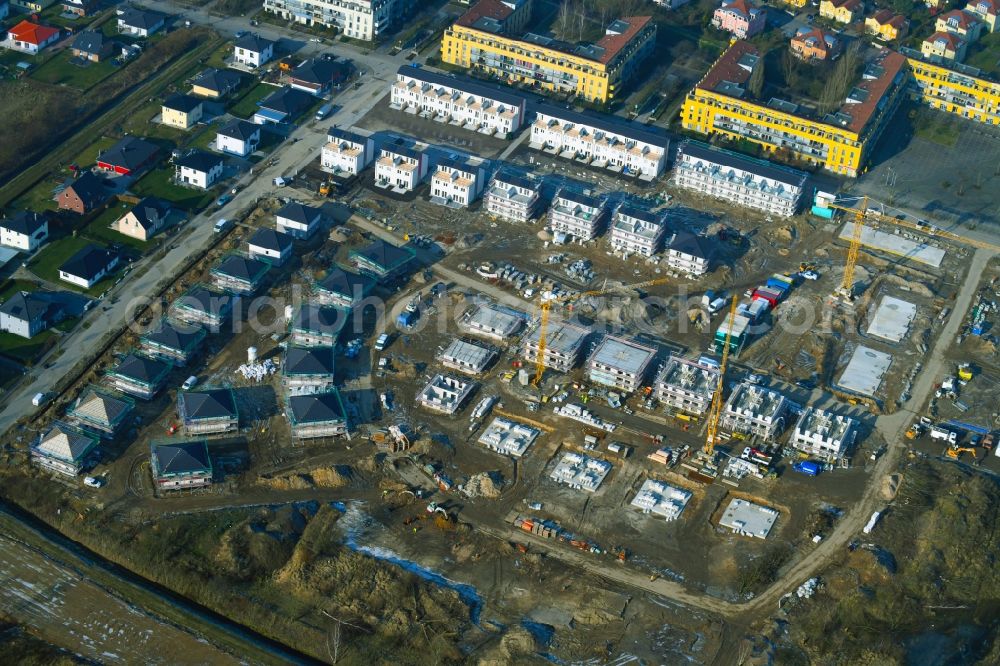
<point x="985" y="54"/>
<point x="935" y="127"/>
<point x="47" y="262"/>
<point x="217" y="58"/>
<point x="88" y="156"/>
<point x="205" y="137"/>
<point x="22" y="349"/>
<point x="59" y="70"/>
<point x="246" y="106"/>
<point x="140" y="124"/>
<point x="67" y="324"/>
<point x="159" y="183"/>
<point x="100" y="231"/>
<point x="40" y="197"/>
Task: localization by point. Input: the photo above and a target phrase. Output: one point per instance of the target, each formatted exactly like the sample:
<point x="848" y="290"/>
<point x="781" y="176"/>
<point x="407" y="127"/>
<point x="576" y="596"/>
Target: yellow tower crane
<point x="546" y="306"/>
<point x="715" y="414"/>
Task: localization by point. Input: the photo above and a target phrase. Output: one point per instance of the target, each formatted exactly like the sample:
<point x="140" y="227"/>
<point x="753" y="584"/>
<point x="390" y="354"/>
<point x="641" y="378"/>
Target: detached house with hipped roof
<point x="887" y="25"/>
<point x="298" y="220"/>
<point x="342" y="289"/>
<point x="252" y="51"/>
<point x="31" y="38"/>
<point x="174" y="343"/>
<point x="100" y="411"/>
<point x="129" y="156"/>
<point x="238" y="137"/>
<point x="383" y="260"/>
<point x="139" y="376"/>
<point x="202" y="306"/>
<point x="199" y="169"/>
<point x="307" y="369"/>
<point x="272" y="246"/>
<point x="27" y="314"/>
<point x="179" y="465"/>
<point x="88" y="266"/>
<point x="27" y="231"/>
<point x="92" y="45"/>
<point x="313" y="415"/>
<point x="209" y="411"/>
<point x="181" y="111"/>
<point x="740" y="18"/>
<point x="317" y="326"/>
<point x="63" y="449"/>
<point x="239" y="275"/>
<point x="140" y="22"/>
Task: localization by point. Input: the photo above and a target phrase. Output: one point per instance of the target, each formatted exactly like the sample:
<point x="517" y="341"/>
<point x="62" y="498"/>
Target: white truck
<point x="870" y="525"/>
<point x="937" y="432"/>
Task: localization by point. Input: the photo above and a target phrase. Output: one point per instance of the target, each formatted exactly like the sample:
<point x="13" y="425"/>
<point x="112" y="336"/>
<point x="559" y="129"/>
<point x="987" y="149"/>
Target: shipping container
<point x="807" y="467"/>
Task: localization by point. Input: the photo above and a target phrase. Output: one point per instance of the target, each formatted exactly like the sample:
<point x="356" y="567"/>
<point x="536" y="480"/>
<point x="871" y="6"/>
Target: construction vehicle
<point x="965" y="372"/>
<point x="324" y="188"/>
<point x="955" y="452"/>
<point x="546" y="304"/>
<point x="715" y="413"/>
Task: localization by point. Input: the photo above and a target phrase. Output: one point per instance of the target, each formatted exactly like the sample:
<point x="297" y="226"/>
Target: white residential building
<point x="199" y="169"/>
<point x="459" y="101"/>
<point x="252" y="51"/>
<point x="685" y="254"/>
<point x="563" y="345"/>
<point x="580" y="216"/>
<point x="238" y="137"/>
<point x="298" y="220"/>
<point x="755" y="410"/>
<point x="599" y="140"/>
<point x="457" y="183"/>
<point x="744" y="181"/>
<point x="445" y="394"/>
<point x="687" y="386"/>
<point x="513" y="197"/>
<point x="346" y="153"/>
<point x="662" y="499"/>
<point x="495" y="322"/>
<point x="619" y="363"/>
<point x="467" y="357"/>
<point x="508" y="438"/>
<point x="26" y="231"/>
<point x="581" y="472"/>
<point x="823" y="434"/>
<point x="400" y="167"/>
<point x="638" y="231"/>
<point x="358" y="19"/>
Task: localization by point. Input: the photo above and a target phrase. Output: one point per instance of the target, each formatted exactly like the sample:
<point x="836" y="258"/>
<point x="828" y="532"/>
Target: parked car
<point x="221" y="225"/>
<point x="189" y="383"/>
<point x="93" y="481"/>
<point x="223" y="200"/>
<point x="809" y="275"/>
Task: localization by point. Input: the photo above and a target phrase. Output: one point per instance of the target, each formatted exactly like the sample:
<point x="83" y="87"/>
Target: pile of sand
<point x="336" y="476"/>
<point x="485" y="484"/>
<point x="890" y="486"/>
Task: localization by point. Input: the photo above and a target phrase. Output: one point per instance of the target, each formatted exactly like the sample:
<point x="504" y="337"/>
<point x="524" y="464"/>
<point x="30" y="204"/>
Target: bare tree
<point x="563" y="19"/>
<point x="756" y="82"/>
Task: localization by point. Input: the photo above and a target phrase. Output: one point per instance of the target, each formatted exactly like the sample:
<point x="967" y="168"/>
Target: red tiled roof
<point x="484" y="8"/>
<point x="888" y="17"/>
<point x="612" y="44"/>
<point x="965" y="19"/>
<point x="819" y="35"/>
<point x="32" y="33"/>
<point x="954" y="41"/>
<point x="727" y="67"/>
<point x="742" y="6"/>
<point x="891" y="63"/>
<point x="992" y="6"/>
<point x="847" y="4"/>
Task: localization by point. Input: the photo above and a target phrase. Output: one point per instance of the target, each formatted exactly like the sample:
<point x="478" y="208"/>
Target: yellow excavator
<point x="955" y="452"/>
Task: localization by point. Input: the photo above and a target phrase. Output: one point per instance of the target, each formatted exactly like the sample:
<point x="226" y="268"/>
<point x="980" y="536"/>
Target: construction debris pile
<point x="485" y="484"/>
<point x="257" y="372"/>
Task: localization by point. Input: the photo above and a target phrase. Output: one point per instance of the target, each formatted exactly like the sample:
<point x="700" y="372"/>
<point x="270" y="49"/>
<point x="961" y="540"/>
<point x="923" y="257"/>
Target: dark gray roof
<point x="181" y="458"/>
<point x="150" y="211"/>
<point x="203" y="300"/>
<point x="184" y="103"/>
<point x="207" y="404"/>
<point x="254" y="43"/>
<point x="239" y="129"/>
<point x="345" y="283"/>
<point x="459" y="163"/>
<point x="319" y="319"/>
<point x="130" y="152"/>
<point x="384" y="254"/>
<point x="508" y="177"/>
<point x="639" y="213"/>
<point x="316" y="407"/>
<point x="338" y="133"/>
<point x="220" y="80"/>
<point x="462" y="83"/>
<point x="90" y="189"/>
<point x="580" y="198"/>
<point x="727" y="158"/>
<point x="26" y="222"/>
<point x="308" y="361"/>
<point x="688" y="243"/>
<point x="606" y="123"/>
<point x="321" y="71"/>
<point x="25" y="306"/>
<point x="141" y="368"/>
<point x="91" y="41"/>
<point x="88" y="262"/>
<point x="199" y="160"/>
<point x="288" y="100"/>
<point x="241" y="268"/>
<point x="180" y="338"/>
<point x="400" y="147"/>
<point x="297" y="212"/>
<point x="271" y="239"/>
<point x="141" y="18"/>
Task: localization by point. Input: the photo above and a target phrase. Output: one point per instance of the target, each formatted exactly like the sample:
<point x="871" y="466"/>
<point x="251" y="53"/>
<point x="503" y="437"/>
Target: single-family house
<point x="139" y="376"/>
<point x="298" y="220"/>
<point x="283" y="106"/>
<point x="313" y="415"/>
<point x="962" y="23"/>
<point x="383" y="260"/>
<point x="83" y="194"/>
<point x="81" y="7"/>
<point x="252" y="50"/>
<point x="318" y="75"/>
<point x="841" y="11"/>
<point x="216" y="83"/>
<point x="92" y="45"/>
<point x="886" y="25"/>
<point x="307" y="369"/>
<point x="139" y="22"/>
<point x="685" y="254"/>
<point x="146" y="219"/>
<point x="27" y="314"/>
<point x="63" y="449"/>
<point x="239" y="275"/>
<point x="172" y="342"/>
<point x="986" y="10"/>
<point x="208" y="411"/>
<point x="342" y="289"/>
<point x="31" y="37"/>
<point x="179" y="465"/>
<point x="270" y="245"/>
<point x="101" y="412"/>
<point x="128" y="157"/>
<point x="181" y="111"/>
<point x="88" y="266"/>
<point x="815" y="44"/>
<point x="947" y="45"/>
<point x="740" y="18"/>
<point x="238" y="137"/>
<point x="317" y="325"/>
<point x="199" y="169"/>
<point x="27" y="231"/>
<point x="201" y="306"/>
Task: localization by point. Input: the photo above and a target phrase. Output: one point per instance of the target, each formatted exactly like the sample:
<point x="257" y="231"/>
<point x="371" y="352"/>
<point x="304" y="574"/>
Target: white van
<point x="221" y="225"/>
